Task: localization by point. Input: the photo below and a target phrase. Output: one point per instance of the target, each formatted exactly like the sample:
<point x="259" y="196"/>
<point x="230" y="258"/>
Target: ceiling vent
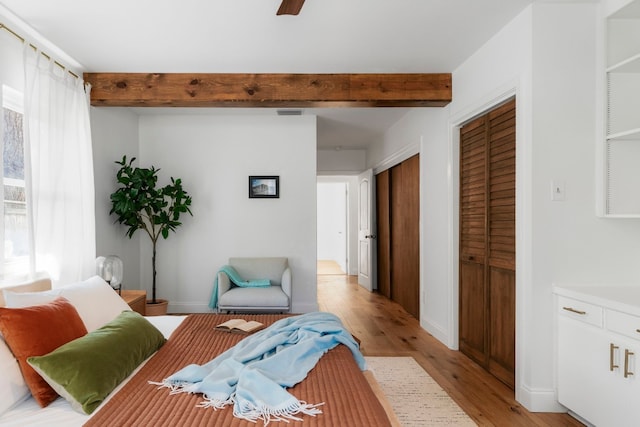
<point x="289" y="112"/>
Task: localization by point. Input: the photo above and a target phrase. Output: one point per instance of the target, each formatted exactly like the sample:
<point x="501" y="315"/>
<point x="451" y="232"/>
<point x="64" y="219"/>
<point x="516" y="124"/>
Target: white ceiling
<point x="246" y="36"/>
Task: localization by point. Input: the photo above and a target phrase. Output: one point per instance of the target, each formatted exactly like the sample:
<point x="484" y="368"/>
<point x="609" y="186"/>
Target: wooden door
<point x="398" y="209"/>
<point x="473" y="202"/>
<point x="405" y="235"/>
<point x="501" y="230"/>
<point x="366" y="277"/>
<point x="487" y="241"/>
<point x="383" y="215"/>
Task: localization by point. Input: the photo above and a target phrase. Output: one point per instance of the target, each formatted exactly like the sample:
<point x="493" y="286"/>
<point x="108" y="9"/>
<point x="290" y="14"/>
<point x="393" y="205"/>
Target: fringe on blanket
<point x="247" y="410"/>
<point x="177" y="388"/>
<point x="267" y="414"/>
<point x="174" y="387"/>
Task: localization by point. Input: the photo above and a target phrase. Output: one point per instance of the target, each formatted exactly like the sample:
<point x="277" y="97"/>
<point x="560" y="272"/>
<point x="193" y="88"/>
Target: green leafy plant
<point x="140" y="205"/>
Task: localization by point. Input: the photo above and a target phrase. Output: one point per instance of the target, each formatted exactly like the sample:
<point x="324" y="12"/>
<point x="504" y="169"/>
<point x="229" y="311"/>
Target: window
<point x="14" y="228"/>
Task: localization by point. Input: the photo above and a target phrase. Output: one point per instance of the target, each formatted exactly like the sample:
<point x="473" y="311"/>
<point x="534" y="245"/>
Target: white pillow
<point x="12" y="386"/>
<point x="96" y="302"/>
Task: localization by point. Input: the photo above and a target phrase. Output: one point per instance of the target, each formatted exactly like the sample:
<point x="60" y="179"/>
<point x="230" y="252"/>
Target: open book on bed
<point x="240" y="326"/>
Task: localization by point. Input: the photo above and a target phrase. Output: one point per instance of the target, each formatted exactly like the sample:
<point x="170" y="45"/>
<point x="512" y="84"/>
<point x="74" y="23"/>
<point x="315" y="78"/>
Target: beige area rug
<point x="416" y="399"/>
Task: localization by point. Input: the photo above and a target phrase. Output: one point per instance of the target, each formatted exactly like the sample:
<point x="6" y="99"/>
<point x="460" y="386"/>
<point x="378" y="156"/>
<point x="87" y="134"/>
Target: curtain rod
<point x="23" y="40"/>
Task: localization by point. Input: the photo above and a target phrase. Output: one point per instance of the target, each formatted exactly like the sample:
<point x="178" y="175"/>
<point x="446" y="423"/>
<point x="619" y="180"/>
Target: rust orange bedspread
<point x="336" y="380"/>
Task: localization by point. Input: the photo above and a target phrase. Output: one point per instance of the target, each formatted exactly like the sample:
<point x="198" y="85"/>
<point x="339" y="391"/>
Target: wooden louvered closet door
<point x="487" y="241"/>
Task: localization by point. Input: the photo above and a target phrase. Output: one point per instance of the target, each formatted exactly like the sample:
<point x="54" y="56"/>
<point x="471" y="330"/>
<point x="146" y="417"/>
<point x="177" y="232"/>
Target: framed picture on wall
<point x="264" y="187"/>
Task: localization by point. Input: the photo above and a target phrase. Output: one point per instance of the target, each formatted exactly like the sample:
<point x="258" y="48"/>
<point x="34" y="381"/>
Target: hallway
<point x="386" y="329"/>
<point x="329" y="267"/>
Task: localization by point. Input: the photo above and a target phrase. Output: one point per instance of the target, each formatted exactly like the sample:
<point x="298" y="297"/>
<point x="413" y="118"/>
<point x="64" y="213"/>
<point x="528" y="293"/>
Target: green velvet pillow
<point x="84" y="371"/>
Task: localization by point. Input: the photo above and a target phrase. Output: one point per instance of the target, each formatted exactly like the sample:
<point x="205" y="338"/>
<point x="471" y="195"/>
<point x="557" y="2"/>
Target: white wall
<point x="214" y="155"/>
<point x="394" y="148"/>
<point x="569" y="243"/>
<point x="341" y="162"/>
<point x="114" y="132"/>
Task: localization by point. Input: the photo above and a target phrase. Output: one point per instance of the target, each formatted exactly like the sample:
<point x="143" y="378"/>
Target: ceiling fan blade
<point x="290" y="7"/>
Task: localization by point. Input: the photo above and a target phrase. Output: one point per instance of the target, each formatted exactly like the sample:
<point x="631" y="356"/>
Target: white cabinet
<point x="622" y="117"/>
<point x="597" y="361"/>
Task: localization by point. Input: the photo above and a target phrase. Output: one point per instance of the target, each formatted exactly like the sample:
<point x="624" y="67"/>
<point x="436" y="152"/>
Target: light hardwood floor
<point x="385" y="329"/>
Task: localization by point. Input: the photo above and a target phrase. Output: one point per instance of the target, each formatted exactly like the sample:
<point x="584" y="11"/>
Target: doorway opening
<point x="332" y="231"/>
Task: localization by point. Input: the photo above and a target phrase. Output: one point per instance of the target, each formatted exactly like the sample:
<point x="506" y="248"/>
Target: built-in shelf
<point x="629" y="65"/>
<point x="627" y="135"/>
<point x="621" y="150"/>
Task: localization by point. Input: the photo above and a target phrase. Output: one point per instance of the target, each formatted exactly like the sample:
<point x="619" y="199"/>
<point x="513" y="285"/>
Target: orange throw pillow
<point x="36" y="331"/>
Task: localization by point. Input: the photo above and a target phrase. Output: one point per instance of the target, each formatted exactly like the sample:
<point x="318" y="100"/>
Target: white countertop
<point x="625" y="298"/>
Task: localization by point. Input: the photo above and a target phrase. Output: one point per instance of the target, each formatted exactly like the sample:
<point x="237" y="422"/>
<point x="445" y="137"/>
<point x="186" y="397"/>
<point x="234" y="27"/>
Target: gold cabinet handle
<point x="573" y="310"/>
<point x="627" y="353"/>
<point x="612" y="351"/>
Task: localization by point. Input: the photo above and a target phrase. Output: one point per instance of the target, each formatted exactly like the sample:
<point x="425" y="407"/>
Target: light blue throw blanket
<point x="237" y="280"/>
<point x="253" y="374"/>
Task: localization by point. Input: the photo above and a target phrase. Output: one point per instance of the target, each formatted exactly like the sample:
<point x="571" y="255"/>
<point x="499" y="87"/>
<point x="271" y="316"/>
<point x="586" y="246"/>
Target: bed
<point x="336" y="380"/>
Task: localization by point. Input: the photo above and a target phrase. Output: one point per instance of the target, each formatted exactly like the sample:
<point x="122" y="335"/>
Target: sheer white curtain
<point x="59" y="170"/>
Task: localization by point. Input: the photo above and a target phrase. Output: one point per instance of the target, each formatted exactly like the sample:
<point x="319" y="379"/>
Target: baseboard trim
<point x="539" y="400"/>
<point x="437" y="332"/>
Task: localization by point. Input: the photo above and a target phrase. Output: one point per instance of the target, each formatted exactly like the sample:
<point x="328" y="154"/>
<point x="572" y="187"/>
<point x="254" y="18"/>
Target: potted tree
<point x="140" y="205"/>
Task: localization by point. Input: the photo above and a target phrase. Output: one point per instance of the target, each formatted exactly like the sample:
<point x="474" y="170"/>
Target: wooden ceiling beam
<point x="269" y="90"/>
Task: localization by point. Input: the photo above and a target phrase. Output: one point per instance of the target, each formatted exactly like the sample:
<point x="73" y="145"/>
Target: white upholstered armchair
<point x="276" y="297"/>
